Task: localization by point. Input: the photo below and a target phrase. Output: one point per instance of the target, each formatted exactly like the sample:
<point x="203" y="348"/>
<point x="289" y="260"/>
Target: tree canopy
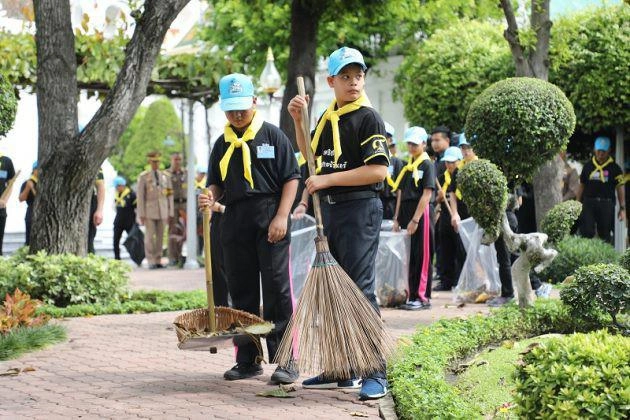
<point x="8" y="106"/>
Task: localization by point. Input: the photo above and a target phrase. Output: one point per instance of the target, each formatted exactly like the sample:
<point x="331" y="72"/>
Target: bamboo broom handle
<point x="448" y="205"/>
<point x="208" y="265"/>
<point x="310" y="158"/>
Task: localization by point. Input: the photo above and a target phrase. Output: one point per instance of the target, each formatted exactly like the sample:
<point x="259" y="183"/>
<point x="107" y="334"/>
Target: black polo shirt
<point x="270" y="171"/>
<point x="425" y="173"/>
<point x="7" y="172"/>
<point x="362" y="137"/>
<point x="594" y="186"/>
<point x="462" y="208"/>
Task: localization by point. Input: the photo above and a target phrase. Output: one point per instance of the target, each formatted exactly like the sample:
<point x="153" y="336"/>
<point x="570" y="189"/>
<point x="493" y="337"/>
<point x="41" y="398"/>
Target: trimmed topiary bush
<point x="624" y="261"/>
<point x="484" y="190"/>
<point x="558" y="221"/>
<point x="581" y="376"/>
<point x="520" y="123"/>
<point x="574" y="252"/>
<point x="8" y="106"/>
<point x="597" y="290"/>
<point x="64" y="279"/>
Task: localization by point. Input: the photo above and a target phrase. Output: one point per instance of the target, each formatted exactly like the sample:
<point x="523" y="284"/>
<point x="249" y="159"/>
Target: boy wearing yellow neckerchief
<point x="125" y="202"/>
<point x="254" y="173"/>
<point x="350" y="139"/>
<point x="599" y="180"/>
<point x="414" y="189"/>
<point x="7" y="172"/>
<point x="28" y="191"/>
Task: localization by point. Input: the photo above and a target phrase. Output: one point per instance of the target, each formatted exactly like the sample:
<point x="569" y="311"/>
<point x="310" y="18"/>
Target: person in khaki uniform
<point x="155" y="208"/>
<point x="177" y="226"/>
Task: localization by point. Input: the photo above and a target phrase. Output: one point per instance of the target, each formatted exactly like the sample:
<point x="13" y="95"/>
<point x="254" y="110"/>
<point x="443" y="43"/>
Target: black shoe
<point x="159" y="266"/>
<point x="243" y="371"/>
<point x="442" y="288"/>
<point x="285" y="375"/>
<point x="152" y="266"/>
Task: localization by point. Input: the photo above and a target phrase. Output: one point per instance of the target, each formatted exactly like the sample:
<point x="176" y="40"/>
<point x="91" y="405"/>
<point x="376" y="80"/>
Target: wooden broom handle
<point x="9" y="186"/>
<point x="208" y="265"/>
<point x="448" y="205"/>
<point x="310" y="157"/>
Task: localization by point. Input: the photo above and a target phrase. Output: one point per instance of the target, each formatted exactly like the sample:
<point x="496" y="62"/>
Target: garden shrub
<point x="597" y="290"/>
<point x="484" y="190"/>
<point x="624" y="261"/>
<point x="558" y="221"/>
<point x="585" y="376"/>
<point x="417" y="373"/>
<point x="574" y="252"/>
<point x="18" y="310"/>
<point x="8" y="105"/>
<point x="64" y="279"/>
<point x="520" y="123"/>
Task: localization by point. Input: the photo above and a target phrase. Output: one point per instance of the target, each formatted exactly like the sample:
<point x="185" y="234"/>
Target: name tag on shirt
<point x="417" y="175"/>
<point x="3" y="174"/>
<point x="390" y="170"/>
<point x="266" y="152"/>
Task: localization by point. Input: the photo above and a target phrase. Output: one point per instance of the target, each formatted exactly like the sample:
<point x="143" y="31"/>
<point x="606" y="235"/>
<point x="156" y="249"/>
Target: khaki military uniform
<point x="177" y="226"/>
<point x="155" y="205"/>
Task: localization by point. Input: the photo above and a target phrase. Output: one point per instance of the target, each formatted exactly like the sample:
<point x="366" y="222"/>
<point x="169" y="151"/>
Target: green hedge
<point x="417" y="374"/>
<point x="64" y="279"/>
<point x="624" y="261"/>
<point x="574" y="252"/>
<point x="585" y="376"/>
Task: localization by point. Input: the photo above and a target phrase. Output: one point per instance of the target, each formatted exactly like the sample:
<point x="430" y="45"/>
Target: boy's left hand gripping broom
<point x="205" y="328"/>
<point x="334" y="329"/>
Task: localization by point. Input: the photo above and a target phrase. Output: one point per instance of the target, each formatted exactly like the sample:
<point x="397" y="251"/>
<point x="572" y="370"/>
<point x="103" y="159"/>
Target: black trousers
<point x="219" y="277"/>
<point x="91" y="226"/>
<point x="3" y="223"/>
<point x="119" y="228"/>
<point x="389" y="207"/>
<point x="250" y="260"/>
<point x="452" y="253"/>
<point x="422" y="250"/>
<point x="28" y="221"/>
<point x="598" y="215"/>
<point x="353" y="228"/>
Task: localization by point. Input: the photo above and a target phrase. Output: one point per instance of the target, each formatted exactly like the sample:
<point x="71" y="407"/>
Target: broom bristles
<point x="334" y="329"/>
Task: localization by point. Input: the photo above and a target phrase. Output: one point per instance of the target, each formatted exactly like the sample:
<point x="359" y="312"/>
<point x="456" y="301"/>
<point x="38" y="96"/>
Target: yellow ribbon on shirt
<point x="331" y="114"/>
<point x="236" y="142"/>
<point x="411" y="166"/>
<point x="600" y="168"/>
<point x="119" y="198"/>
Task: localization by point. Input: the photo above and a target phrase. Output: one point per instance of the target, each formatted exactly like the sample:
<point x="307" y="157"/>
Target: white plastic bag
<point x="479" y="279"/>
<point x="392" y="266"/>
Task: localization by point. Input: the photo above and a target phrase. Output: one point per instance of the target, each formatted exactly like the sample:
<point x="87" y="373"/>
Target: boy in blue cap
<point x="599" y="180"/>
<point x="125" y="201"/>
<point x="254" y="173"/>
<point x="350" y="138"/>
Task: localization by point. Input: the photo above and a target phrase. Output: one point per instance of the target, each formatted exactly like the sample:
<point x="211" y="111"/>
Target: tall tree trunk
<point x="302" y="58"/>
<point x="534" y="62"/>
<point x="69" y="160"/>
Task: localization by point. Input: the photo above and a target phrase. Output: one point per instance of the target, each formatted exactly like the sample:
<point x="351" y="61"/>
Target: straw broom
<point x="334" y="329"/>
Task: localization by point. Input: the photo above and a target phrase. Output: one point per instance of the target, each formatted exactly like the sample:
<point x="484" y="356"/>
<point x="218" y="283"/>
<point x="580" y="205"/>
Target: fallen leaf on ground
<point x="358" y="414"/>
<point x="275" y="393"/>
<point x="288" y="387"/>
<point x="11" y="372"/>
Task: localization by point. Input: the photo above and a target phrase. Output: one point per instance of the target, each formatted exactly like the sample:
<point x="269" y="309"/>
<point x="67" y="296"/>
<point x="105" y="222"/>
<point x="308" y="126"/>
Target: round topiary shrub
<point x="484" y="190"/>
<point x="520" y="123"/>
<point x="558" y="221"/>
<point x="597" y="290"/>
<point x="573" y="253"/>
<point x="624" y="261"/>
<point x="579" y="376"/>
<point x="8" y="106"/>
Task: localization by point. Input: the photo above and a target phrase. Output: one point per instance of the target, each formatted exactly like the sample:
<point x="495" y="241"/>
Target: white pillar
<point x="191" y="199"/>
<point x="620" y="227"/>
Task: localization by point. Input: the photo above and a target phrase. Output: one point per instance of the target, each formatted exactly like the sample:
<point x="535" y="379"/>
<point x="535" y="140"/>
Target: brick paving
<point x="129" y="366"/>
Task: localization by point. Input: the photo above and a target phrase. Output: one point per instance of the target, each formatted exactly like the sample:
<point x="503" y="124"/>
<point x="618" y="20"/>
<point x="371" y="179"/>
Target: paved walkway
<point x="128" y="366"/>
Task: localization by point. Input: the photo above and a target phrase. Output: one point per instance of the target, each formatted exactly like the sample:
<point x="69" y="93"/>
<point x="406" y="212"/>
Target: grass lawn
<point x="25" y="339"/>
<point x="487" y="379"/>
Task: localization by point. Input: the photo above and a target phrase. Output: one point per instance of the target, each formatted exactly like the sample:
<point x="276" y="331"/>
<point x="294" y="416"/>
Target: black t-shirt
<point x="270" y="171"/>
<point x="31" y="196"/>
<point x="362" y="137"/>
<point x="395" y="166"/>
<point x="125" y="206"/>
<point x="595" y="186"/>
<point x="7" y="172"/>
<point x="425" y="174"/>
<point x="462" y="209"/>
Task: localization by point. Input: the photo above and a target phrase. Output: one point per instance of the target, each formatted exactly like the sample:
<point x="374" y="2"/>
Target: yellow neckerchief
<point x="318" y="163"/>
<point x="411" y="166"/>
<point x="199" y="185"/>
<point x="119" y="198"/>
<point x="331" y="114"/>
<point x="600" y="168"/>
<point x="235" y="142"/>
<point x="33" y="178"/>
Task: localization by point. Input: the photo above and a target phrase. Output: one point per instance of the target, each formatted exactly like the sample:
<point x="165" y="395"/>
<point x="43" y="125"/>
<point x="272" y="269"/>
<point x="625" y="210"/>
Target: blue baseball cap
<point x="602" y="143"/>
<point x="452" y="154"/>
<point x="119" y="180"/>
<point x="416" y="135"/>
<point x="389" y="129"/>
<point x="342" y="57"/>
<point x="201" y="169"/>
<point x="462" y="140"/>
<point x="236" y="92"/>
<point x="35" y="165"/>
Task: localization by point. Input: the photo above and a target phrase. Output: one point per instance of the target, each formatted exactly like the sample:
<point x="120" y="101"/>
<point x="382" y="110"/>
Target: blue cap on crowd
<point x="462" y="140"/>
<point x="602" y="143"/>
<point x="201" y="169"/>
<point x="119" y="180"/>
<point x="389" y="129"/>
<point x="236" y="92"/>
<point x="35" y="165"/>
<point x="452" y="154"/>
<point x="342" y="57"/>
<point x="416" y="135"/>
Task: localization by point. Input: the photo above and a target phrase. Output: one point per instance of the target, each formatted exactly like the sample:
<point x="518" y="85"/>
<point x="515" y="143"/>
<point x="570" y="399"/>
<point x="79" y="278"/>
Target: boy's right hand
<point x="205" y="200"/>
<point x="295" y="107"/>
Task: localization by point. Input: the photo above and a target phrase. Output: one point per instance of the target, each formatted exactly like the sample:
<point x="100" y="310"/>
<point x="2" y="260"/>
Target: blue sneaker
<point x="373" y="388"/>
<point x="321" y="382"/>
